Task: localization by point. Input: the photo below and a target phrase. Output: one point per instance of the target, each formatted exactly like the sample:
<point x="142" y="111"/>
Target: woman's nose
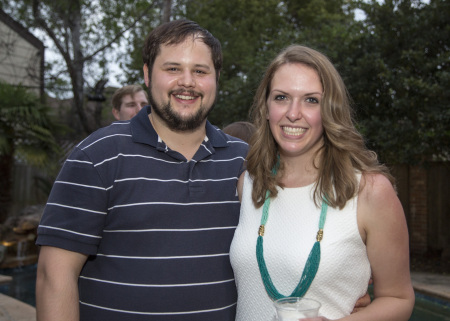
<point x="294" y="112"/>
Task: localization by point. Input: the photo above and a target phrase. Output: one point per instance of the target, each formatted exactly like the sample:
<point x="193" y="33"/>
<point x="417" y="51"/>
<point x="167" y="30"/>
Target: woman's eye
<point x="280" y="97"/>
<point x="312" y="100"/>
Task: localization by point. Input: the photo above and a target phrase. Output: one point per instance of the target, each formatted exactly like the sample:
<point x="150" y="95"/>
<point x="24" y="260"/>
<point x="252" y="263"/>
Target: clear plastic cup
<point x="294" y="309"/>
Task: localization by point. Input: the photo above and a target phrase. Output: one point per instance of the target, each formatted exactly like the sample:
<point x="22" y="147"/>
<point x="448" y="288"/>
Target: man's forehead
<point x="194" y="45"/>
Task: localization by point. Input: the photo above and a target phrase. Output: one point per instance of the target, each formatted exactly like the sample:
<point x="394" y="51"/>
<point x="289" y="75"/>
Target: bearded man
<point x="140" y="220"/>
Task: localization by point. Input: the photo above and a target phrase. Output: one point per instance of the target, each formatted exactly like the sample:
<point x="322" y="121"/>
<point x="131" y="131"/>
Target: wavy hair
<point x="343" y="152"/>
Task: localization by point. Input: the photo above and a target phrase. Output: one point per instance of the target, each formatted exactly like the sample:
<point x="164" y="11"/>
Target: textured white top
<point x="290" y="233"/>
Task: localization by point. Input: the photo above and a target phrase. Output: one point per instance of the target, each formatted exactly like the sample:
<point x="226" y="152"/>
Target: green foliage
<point x="26" y="127"/>
<point x="399" y="77"/>
<point x="26" y="135"/>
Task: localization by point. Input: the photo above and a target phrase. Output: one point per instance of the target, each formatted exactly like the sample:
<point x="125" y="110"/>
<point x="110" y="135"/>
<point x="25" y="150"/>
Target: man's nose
<point x="186" y="79"/>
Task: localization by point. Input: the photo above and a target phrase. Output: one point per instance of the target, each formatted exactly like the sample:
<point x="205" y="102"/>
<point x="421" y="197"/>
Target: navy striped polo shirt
<point x="157" y="228"/>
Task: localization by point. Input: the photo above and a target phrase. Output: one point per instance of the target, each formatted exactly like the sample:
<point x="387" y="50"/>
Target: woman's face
<point x="294" y="110"/>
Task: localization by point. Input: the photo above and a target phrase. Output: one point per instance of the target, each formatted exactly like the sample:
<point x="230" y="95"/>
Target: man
<point x="128" y="101"/>
<point x="140" y="219"/>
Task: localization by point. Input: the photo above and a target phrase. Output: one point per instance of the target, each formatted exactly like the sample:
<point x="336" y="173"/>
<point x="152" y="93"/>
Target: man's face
<point x="182" y="85"/>
<point x="130" y="106"/>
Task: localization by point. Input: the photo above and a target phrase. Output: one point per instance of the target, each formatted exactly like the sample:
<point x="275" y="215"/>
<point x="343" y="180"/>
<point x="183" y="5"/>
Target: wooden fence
<point x="425" y="195"/>
<point x="30" y="187"/>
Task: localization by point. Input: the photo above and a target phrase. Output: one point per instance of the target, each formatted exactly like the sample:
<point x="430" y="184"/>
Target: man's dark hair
<point x="175" y="32"/>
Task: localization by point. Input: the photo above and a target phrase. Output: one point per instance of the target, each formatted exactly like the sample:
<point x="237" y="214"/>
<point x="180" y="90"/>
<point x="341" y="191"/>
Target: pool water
<point x="23" y="284"/>
<point x="22" y="288"/>
<point x="428" y="308"/>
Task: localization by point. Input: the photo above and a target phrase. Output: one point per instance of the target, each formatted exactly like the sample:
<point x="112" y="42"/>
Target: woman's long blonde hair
<point x="343" y="151"/>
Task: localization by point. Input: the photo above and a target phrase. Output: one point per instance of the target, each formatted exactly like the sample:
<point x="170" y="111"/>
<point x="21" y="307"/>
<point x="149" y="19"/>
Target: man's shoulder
<point x="219" y="136"/>
<point x="236" y="143"/>
<point x="112" y="132"/>
<point x="233" y="145"/>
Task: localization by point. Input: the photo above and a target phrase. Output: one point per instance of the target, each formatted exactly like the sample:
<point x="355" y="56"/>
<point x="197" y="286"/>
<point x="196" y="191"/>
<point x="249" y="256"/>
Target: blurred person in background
<point x="241" y="129"/>
<point x="128" y="101"/>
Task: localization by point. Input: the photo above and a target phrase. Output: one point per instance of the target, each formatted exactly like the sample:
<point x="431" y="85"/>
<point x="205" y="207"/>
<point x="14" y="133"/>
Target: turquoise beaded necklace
<point x="312" y="264"/>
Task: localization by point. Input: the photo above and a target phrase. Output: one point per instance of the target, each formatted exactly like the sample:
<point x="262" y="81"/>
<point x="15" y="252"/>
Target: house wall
<point x="21" y="62"/>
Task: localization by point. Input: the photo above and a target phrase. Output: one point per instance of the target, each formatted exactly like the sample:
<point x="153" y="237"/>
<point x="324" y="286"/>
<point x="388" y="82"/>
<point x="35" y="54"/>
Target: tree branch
<point x="119" y="35"/>
<point x="42" y="24"/>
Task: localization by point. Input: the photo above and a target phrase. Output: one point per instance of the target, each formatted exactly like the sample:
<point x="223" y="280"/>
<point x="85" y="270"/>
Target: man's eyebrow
<point x="169" y="63"/>
<point x="203" y="66"/>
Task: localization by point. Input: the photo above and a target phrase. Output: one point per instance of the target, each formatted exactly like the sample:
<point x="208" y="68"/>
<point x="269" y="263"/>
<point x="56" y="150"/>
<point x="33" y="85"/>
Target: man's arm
<point x="57" y="284"/>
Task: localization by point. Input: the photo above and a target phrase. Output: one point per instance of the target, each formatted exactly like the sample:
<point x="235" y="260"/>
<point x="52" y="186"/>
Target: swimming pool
<point x="22" y="288"/>
<point x="428" y="308"/>
<point x="23" y="284"/>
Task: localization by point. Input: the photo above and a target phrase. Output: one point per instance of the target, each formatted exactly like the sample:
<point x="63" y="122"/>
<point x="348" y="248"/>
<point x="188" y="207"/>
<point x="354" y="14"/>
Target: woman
<point x="308" y="170"/>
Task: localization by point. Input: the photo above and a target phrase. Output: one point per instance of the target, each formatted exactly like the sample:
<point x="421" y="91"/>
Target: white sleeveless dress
<point x="290" y="233"/>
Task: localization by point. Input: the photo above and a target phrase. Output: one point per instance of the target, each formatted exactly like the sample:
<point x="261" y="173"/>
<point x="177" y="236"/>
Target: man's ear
<point x="146" y="78"/>
<point x="116" y="114"/>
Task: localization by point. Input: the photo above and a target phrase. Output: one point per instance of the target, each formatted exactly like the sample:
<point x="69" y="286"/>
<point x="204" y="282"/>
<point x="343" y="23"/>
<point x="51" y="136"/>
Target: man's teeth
<point x="294" y="130"/>
<point x="185" y="97"/>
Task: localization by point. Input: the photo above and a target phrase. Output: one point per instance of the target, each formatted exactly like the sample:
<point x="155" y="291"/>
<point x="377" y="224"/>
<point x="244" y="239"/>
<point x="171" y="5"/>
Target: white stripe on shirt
<point x="158" y="313"/>
<point x="170" y="203"/>
<point x="70" y="231"/>
<point x="157" y="285"/>
<point x="172" y="230"/>
<point x="105" y="137"/>
<point x="82" y="185"/>
<point x="77" y="208"/>
<point x="162" y="257"/>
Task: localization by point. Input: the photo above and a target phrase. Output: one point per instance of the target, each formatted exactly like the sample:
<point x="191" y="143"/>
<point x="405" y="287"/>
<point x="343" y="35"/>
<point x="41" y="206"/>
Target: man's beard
<point x="174" y="121"/>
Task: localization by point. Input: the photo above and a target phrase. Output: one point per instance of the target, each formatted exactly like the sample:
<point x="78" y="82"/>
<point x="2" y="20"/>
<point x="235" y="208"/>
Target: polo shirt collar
<point x="143" y="132"/>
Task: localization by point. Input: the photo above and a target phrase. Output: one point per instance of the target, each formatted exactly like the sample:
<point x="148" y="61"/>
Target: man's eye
<point x="200" y="72"/>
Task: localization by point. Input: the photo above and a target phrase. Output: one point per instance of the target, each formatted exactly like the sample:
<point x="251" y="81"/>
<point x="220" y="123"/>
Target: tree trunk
<point x="76" y="70"/>
<point x="167" y="11"/>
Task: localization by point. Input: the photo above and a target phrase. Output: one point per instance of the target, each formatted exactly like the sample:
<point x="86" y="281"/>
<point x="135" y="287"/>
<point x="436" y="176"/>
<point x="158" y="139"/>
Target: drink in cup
<point x="293" y="309"/>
